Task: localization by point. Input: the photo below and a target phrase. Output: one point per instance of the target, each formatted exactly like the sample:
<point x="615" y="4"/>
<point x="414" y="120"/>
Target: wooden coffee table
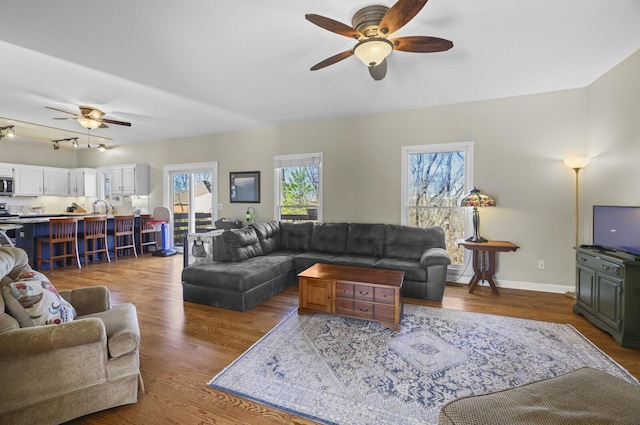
<point x="362" y="293"/>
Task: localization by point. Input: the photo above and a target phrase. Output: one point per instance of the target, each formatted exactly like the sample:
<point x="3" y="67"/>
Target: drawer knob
<point x="364" y="310"/>
<point x="363" y="293"/>
<point x="604" y="267"/>
<point x="583" y="259"/>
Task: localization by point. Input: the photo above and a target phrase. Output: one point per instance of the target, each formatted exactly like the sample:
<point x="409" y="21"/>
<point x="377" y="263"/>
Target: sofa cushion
<point x="241" y="244"/>
<point x="355" y="261"/>
<point x="307" y="259"/>
<point x="410" y="242"/>
<point x="238" y="277"/>
<point x="38" y="299"/>
<point x="268" y="235"/>
<point x="329" y="237"/>
<point x="296" y="236"/>
<point x="411" y="268"/>
<point x="365" y="239"/>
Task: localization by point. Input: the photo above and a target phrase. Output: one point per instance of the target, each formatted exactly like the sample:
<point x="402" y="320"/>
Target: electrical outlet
<point x="540" y="264"/>
<point x="219" y="206"/>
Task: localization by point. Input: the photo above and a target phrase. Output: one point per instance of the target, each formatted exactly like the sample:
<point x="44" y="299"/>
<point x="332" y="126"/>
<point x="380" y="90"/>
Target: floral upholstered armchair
<point x="62" y="354"/>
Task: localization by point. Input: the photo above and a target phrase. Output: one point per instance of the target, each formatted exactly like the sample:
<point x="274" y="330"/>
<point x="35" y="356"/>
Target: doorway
<point x="191" y="193"/>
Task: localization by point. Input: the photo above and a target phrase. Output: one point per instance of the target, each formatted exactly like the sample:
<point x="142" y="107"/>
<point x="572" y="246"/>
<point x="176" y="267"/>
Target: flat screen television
<point x="617" y="228"/>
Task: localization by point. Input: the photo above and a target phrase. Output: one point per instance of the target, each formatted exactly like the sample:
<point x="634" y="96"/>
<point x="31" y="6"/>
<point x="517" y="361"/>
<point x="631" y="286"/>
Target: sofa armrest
<point x="435" y="257"/>
<point x="92" y="299"/>
<point x="41" y="339"/>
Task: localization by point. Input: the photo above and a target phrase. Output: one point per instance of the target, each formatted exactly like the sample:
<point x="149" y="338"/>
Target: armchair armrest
<point x="122" y="329"/>
<point x="92" y="299"/>
<point x="41" y="339"/>
<point x="435" y="257"/>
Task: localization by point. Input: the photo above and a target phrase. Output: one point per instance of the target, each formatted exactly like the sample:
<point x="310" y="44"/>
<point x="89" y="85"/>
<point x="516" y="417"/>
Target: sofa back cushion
<point x="366" y="239"/>
<point x="410" y="242"/>
<point x="296" y="236"/>
<point x="240" y="244"/>
<point x="329" y="237"/>
<point x="268" y="235"/>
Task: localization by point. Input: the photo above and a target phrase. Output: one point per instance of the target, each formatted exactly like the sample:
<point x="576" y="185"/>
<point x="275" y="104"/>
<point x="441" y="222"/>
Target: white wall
<point x="519" y="146"/>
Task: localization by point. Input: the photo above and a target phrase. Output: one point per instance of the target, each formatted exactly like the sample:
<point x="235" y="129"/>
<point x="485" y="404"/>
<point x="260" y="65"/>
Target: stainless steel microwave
<point x="6" y="186"/>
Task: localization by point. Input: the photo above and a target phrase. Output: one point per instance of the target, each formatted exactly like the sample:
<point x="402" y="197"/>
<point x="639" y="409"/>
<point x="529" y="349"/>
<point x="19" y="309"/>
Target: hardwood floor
<point x="184" y="345"/>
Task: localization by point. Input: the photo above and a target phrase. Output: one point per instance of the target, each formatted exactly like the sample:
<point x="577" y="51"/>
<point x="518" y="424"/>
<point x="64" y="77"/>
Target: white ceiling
<point x="192" y="67"/>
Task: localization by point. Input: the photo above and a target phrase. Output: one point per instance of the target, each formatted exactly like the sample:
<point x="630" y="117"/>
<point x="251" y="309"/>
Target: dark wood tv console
<point x="608" y="294"/>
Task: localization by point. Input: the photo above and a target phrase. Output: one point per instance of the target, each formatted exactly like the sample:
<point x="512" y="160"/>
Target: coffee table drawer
<point x="384" y="313"/>
<point x="344" y="306"/>
<point x="363" y="292"/>
<point x="384" y="295"/>
<point x="363" y="309"/>
<point x="344" y="290"/>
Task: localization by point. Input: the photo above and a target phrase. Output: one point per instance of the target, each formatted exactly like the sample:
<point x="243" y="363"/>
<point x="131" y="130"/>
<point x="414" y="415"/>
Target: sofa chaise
<point x="69" y="366"/>
<point x="251" y="264"/>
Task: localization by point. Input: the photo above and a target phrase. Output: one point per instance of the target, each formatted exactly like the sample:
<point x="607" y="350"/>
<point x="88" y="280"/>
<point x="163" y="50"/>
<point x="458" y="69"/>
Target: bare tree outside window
<point x="435" y="184"/>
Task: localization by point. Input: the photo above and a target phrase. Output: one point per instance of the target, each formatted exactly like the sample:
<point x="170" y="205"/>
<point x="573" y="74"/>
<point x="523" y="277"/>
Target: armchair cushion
<point x="39" y="301"/>
<point x="88" y="300"/>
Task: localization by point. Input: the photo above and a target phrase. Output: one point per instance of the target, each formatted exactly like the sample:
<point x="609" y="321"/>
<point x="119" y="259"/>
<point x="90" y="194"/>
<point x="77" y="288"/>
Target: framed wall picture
<point x="244" y="186"/>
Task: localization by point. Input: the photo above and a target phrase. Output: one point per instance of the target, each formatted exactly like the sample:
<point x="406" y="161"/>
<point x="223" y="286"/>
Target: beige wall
<point x="519" y="146"/>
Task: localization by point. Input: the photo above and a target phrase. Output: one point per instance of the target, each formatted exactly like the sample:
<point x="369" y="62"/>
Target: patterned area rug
<point x="345" y="371"/>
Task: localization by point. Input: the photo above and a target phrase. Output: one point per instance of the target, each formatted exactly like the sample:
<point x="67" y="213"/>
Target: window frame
<point x="296" y="160"/>
<point x="468" y="149"/>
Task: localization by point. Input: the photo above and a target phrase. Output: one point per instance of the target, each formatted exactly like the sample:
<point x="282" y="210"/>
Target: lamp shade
<point x="475" y="198"/>
<point x="89" y="123"/>
<point x="372" y="51"/>
<point x="578" y="162"/>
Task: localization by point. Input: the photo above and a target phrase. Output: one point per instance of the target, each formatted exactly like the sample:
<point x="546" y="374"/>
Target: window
<point x="434" y="178"/>
<point x="298" y="187"/>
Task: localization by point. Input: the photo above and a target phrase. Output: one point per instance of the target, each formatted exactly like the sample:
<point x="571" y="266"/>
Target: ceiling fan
<point x="90" y="117"/>
<point x="372" y="26"/>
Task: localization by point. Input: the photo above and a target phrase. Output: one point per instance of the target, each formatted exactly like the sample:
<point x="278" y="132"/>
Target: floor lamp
<point x="576" y="164"/>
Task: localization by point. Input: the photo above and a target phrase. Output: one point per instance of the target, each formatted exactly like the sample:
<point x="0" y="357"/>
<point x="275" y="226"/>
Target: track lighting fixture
<point x="7" y="131"/>
<point x="73" y="140"/>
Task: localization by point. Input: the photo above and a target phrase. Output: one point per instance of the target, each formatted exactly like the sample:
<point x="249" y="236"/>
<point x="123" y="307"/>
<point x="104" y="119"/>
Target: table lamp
<point x="477" y="199"/>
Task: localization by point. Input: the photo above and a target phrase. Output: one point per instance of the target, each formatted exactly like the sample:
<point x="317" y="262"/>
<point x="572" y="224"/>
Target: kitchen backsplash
<point x="59" y="204"/>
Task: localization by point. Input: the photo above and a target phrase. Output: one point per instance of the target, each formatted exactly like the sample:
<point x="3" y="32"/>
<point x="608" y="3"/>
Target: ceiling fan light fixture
<point x="102" y="148"/>
<point x="75" y="143"/>
<point x="56" y="145"/>
<point x="89" y="123"/>
<point x="372" y="51"/>
<point x="7" y="131"/>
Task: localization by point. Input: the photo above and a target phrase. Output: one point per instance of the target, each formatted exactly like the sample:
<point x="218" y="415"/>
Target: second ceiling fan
<point x="89" y="117"/>
<point x="372" y="26"/>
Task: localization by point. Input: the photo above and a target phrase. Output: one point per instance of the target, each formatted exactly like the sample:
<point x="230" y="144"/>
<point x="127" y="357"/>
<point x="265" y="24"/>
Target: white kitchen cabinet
<point x="130" y="179"/>
<point x="56" y="181"/>
<point x="31" y="180"/>
<point x="28" y="180"/>
<point x="6" y="170"/>
<point x="83" y="182"/>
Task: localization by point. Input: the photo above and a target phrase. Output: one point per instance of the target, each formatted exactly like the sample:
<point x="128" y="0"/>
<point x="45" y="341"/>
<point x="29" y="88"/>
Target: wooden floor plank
<point x="184" y="344"/>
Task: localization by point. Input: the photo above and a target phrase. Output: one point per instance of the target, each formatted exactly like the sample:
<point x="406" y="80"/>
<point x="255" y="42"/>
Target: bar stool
<point x="124" y="234"/>
<point x="147" y="234"/>
<point x="63" y="235"/>
<point x="94" y="238"/>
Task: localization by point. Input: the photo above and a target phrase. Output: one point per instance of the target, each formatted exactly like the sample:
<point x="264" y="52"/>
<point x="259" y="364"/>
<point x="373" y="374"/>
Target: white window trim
<point x="467" y="147"/>
<point x="279" y="161"/>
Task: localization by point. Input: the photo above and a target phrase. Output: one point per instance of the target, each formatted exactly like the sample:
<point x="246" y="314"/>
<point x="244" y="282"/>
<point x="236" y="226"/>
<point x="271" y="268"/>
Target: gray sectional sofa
<point x="253" y="263"/>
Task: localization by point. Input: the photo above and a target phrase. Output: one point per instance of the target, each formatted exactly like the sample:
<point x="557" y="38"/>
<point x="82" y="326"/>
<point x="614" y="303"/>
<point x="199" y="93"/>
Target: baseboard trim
<point x="526" y="286"/>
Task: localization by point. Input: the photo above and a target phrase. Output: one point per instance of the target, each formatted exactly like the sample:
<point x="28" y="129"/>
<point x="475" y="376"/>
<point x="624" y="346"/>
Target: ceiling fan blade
<point x="61" y="110"/>
<point x="332" y="60"/>
<point x="333" y="26"/>
<point x="379" y="71"/>
<point x="64" y="118"/>
<point x="128" y="124"/>
<point x="400" y="14"/>
<point x="420" y="44"/>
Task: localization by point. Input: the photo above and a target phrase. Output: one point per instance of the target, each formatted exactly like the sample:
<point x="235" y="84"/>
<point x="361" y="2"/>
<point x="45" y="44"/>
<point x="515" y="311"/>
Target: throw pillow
<point x="39" y="299"/>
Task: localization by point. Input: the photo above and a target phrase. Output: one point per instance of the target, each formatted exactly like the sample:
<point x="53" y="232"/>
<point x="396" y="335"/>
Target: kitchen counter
<point x="35" y="226"/>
